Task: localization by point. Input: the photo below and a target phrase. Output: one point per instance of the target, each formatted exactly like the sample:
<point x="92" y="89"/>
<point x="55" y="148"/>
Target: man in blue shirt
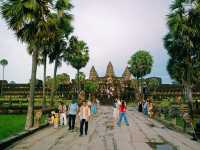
<point x="72" y="111"/>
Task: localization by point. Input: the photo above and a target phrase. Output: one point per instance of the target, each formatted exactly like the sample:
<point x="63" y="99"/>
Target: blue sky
<point x="113" y="30"/>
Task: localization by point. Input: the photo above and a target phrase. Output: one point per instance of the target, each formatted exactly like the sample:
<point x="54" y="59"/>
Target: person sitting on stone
<point x="196" y="133"/>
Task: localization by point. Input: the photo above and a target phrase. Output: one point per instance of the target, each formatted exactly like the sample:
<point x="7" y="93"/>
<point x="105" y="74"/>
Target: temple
<point x="112" y="86"/>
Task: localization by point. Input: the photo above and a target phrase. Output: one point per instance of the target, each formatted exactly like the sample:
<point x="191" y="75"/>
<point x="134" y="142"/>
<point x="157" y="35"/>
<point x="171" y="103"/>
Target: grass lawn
<point x="13" y="124"/>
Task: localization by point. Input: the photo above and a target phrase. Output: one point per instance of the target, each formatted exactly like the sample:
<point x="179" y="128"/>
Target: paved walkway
<point x="102" y="136"/>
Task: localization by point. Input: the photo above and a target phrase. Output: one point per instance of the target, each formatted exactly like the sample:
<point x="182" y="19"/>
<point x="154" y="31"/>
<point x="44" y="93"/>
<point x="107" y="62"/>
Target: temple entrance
<point x="111" y="87"/>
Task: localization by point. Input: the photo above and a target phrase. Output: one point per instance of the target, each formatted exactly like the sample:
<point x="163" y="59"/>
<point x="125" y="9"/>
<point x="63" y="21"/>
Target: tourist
<point x="73" y="109"/>
<point x="55" y="119"/>
<point x="84" y="117"/>
<point x="115" y="111"/>
<point x="139" y="106"/>
<point x="94" y="107"/>
<point x="145" y="109"/>
<point x="89" y="103"/>
<point x="62" y="112"/>
<point x="150" y="108"/>
<point x="122" y="114"/>
<point x="51" y="118"/>
<point x="196" y="133"/>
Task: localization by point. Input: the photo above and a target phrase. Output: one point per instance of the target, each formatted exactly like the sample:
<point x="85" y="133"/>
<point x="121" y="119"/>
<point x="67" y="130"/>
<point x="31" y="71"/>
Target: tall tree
<point x="27" y="18"/>
<point x="4" y="63"/>
<point x="64" y="29"/>
<point x="77" y="55"/>
<point x="182" y="44"/>
<point x="140" y="64"/>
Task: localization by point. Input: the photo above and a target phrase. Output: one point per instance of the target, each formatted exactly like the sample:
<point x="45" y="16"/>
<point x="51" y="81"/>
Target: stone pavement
<point x="140" y="135"/>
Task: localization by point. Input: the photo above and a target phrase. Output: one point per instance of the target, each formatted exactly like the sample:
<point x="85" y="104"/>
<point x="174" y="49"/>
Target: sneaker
<point x="69" y="129"/>
<point x="81" y="135"/>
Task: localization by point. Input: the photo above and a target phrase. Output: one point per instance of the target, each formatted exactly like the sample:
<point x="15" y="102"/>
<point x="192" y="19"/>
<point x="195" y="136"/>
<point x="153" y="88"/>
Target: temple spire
<point x="110" y="70"/>
<point x="93" y="74"/>
<point x="126" y="75"/>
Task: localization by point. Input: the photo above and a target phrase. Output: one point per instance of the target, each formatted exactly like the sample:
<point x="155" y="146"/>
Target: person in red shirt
<point x="122" y="114"/>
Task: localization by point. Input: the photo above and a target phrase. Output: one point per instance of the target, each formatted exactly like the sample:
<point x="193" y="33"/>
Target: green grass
<point x="13" y="124"/>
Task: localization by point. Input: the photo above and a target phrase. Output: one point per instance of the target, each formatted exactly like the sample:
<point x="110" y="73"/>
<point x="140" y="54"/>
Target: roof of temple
<point x="93" y="74"/>
<point x="110" y="70"/>
<point x="126" y="75"/>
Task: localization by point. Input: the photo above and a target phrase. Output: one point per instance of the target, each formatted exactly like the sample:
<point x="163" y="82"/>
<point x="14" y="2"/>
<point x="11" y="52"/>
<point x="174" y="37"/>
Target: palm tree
<point x="182" y="46"/>
<point x="77" y="55"/>
<point x="140" y="64"/>
<point x="57" y="57"/>
<point x="4" y="63"/>
<point x="64" y="29"/>
<point x="28" y="20"/>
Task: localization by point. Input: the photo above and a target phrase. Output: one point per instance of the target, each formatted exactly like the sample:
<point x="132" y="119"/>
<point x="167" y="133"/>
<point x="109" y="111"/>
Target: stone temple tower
<point x="93" y="74"/>
<point x="110" y="70"/>
<point x="126" y="75"/>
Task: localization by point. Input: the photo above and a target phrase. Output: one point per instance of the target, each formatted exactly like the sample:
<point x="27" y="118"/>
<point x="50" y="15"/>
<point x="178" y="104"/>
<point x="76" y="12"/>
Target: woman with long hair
<point x="122" y="114"/>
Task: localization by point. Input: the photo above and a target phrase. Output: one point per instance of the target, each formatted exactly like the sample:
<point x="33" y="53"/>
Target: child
<point x="50" y="118"/>
<point x="56" y="119"/>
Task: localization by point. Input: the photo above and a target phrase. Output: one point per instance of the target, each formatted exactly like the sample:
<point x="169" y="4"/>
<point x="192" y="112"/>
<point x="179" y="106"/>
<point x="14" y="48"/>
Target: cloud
<point x="113" y="30"/>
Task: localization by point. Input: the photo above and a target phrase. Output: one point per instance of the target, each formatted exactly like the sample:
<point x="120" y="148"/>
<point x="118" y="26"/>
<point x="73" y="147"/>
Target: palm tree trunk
<point x="2" y="81"/>
<point x="44" y="81"/>
<point x="78" y="88"/>
<point x="30" y="112"/>
<point x="189" y="90"/>
<point x="189" y="98"/>
<point x="54" y="82"/>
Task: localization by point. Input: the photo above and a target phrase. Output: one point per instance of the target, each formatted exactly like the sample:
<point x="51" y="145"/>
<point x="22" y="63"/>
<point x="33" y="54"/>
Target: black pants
<point x="82" y="123"/>
<point x="71" y="122"/>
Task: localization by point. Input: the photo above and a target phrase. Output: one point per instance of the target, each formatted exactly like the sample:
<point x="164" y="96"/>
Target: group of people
<point x="146" y="106"/>
<point x="119" y="112"/>
<point x="83" y="111"/>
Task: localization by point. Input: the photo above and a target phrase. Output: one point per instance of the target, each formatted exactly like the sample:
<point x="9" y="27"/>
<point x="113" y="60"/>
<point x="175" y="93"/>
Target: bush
<point x="174" y="111"/>
<point x="164" y="106"/>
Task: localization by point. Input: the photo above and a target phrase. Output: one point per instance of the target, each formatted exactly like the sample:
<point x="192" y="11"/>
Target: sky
<point x="113" y="30"/>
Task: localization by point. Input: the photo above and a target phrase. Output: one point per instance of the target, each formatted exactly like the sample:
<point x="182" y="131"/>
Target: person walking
<point x="73" y="109"/>
<point x="84" y="117"/>
<point x="122" y="114"/>
<point x="94" y="106"/>
<point x="115" y="112"/>
<point x="62" y="111"/>
<point x="145" y="108"/>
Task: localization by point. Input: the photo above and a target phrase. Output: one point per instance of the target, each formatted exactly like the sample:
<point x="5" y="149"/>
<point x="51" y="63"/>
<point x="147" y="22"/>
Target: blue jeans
<point x="122" y="115"/>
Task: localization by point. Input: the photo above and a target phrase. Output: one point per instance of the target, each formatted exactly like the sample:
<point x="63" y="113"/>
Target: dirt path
<point x="102" y="136"/>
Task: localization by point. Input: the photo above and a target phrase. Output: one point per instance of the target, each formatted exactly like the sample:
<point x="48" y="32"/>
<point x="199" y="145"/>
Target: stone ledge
<point x="10" y="140"/>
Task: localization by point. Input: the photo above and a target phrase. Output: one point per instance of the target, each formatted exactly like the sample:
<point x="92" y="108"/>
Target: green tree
<point x="60" y="78"/>
<point x="77" y="55"/>
<point x="4" y="63"/>
<point x="153" y="83"/>
<point x="90" y="87"/>
<point x="64" y="29"/>
<point x="182" y="44"/>
<point x="28" y="19"/>
<point x="140" y="64"/>
<point x="81" y="77"/>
